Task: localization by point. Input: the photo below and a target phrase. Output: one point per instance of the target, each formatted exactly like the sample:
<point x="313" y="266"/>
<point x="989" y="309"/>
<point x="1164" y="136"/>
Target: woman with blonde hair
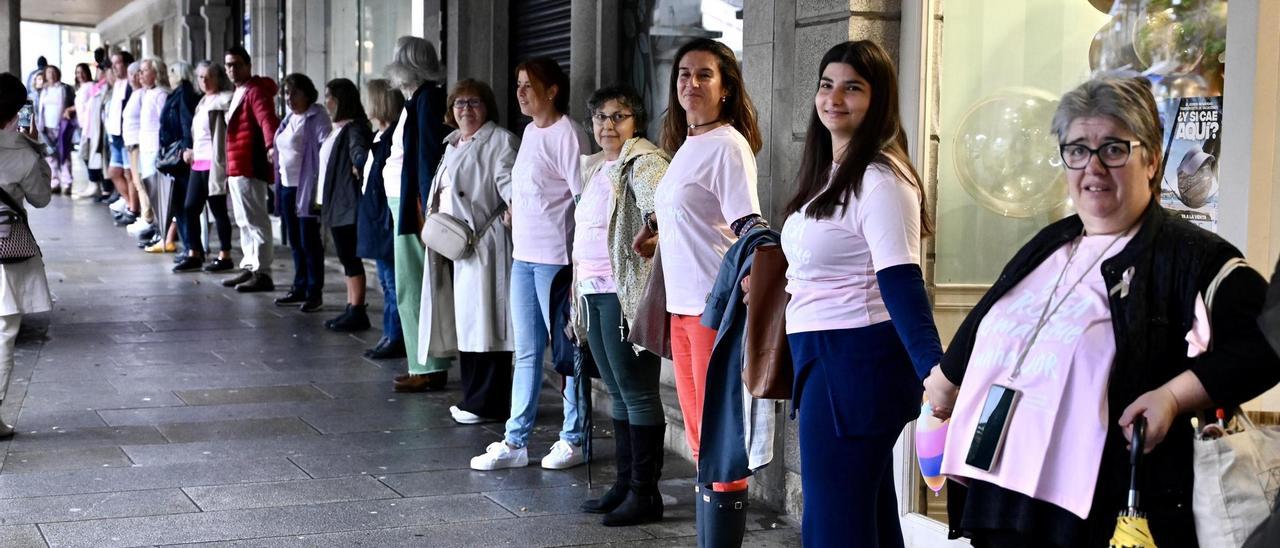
<point x="375" y="233"/>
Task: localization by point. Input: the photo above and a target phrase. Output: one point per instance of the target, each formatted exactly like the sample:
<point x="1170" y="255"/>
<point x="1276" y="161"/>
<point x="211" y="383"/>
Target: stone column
<point x="593" y="52"/>
<point x="477" y="46"/>
<point x="192" y="44"/>
<point x="11" y="60"/>
<point x="217" y="22"/>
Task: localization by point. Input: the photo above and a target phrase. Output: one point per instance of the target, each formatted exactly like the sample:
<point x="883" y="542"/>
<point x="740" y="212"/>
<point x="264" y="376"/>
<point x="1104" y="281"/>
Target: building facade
<point x="977" y="78"/>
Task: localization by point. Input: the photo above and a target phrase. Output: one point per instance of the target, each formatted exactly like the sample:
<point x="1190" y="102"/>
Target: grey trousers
<point x="249" y="201"/>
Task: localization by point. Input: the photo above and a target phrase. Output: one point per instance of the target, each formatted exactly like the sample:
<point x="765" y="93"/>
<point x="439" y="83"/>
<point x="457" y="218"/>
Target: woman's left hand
<point x="645" y="242"/>
<point x="1160" y="408"/>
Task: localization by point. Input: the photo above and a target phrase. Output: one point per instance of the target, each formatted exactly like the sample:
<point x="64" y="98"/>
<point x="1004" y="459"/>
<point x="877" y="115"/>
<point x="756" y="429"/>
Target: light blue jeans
<point x="533" y="308"/>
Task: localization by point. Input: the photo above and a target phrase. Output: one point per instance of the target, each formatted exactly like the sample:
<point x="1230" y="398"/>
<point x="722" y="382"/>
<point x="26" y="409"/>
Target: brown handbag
<point x="651" y="328"/>
<point x="768" y="373"/>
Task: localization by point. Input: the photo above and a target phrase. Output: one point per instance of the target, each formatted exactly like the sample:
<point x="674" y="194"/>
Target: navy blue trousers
<point x="307" y="247"/>
<point x="849" y="497"/>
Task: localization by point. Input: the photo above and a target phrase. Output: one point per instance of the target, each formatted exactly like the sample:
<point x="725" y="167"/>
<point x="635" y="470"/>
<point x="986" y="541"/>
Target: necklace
<point x="696" y="126"/>
<point x="1050" y="308"/>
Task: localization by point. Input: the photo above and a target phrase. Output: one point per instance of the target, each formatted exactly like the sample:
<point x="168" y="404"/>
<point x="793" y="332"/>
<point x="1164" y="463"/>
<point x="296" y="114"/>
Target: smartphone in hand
<point x="26" y="116"/>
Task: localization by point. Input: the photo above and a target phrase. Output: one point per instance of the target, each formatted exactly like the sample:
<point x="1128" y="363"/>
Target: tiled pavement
<point x="162" y="409"/>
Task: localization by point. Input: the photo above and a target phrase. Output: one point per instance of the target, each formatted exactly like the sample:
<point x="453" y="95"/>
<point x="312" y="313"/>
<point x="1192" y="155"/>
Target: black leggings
<point x="344" y="244"/>
<point x="197" y="196"/>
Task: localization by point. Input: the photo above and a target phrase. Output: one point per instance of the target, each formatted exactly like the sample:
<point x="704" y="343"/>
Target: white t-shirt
<point x="51" y="99"/>
<point x="544" y="180"/>
<point x="289" y="148"/>
<point x="832" y="263"/>
<point x="326" y="150"/>
<point x="368" y="161"/>
<point x="201" y="133"/>
<point x="149" y="129"/>
<point x="115" y="110"/>
<point x="711" y="182"/>
<point x="131" y="117"/>
<point x="591" y="234"/>
<point x="394" y="166"/>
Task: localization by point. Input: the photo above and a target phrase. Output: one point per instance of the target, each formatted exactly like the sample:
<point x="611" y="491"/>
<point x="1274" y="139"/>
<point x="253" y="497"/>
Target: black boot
<point x="622" y="454"/>
<point x="726" y="519"/>
<point x="644" y="502"/>
<point x="340" y="318"/>
<point x="354" y="319"/>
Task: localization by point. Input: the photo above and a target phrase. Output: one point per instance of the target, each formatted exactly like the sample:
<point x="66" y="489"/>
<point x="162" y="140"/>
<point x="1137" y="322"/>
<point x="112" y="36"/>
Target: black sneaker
<point x="257" y="283"/>
<point x="238" y="279"/>
<point x="355" y="319"/>
<point x="312" y="305"/>
<point x="189" y="264"/>
<point x="388" y="350"/>
<point x="219" y="265"/>
<point x="339" y="319"/>
<point x="292" y="298"/>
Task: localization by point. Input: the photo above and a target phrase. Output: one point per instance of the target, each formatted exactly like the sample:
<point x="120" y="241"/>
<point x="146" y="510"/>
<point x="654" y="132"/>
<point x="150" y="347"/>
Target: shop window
<point x="363" y="34"/>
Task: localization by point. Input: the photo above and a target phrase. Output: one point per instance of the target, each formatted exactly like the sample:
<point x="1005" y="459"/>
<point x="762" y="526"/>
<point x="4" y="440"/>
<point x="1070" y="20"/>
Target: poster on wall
<point x="1192" y="130"/>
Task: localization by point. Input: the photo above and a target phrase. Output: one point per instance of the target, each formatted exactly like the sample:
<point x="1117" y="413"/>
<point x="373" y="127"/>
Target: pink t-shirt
<point x="832" y="263"/>
<point x="544" y="180"/>
<point x="591" y="234"/>
<point x="711" y="182"/>
<point x="1059" y="425"/>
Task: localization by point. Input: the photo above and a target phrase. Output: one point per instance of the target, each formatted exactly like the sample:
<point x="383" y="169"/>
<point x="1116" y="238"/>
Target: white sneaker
<point x="119" y="206"/>
<point x="500" y="455"/>
<point x="138" y="227"/>
<point x="462" y="416"/>
<point x="563" y="455"/>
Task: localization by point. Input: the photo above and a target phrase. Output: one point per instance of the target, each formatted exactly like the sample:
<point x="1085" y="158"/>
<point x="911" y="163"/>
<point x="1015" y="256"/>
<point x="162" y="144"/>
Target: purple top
<point x="314" y="130"/>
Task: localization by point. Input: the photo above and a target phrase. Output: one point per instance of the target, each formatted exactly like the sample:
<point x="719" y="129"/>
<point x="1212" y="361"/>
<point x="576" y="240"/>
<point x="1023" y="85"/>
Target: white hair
<point x="162" y="71"/>
<point x="415" y="62"/>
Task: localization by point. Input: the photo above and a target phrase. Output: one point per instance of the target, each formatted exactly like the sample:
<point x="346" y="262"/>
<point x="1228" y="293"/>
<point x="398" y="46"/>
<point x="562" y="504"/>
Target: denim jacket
<point x="737" y="429"/>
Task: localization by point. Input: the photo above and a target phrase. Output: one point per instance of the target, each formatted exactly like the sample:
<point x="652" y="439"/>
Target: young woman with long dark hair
<point x="859" y="322"/>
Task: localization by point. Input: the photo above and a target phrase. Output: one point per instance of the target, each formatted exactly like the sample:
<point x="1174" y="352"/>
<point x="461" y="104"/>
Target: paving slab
<point x="289" y="493"/>
<point x="76" y="438"/>
<point x="268" y="522"/>
<point x="235" y="429"/>
<point x="297" y="446"/>
<point x="251" y="394"/>
<point x="26" y="462"/>
<point x="532" y="532"/>
<point x="94" y="506"/>
<point x="26" y="536"/>
<point x="147" y="477"/>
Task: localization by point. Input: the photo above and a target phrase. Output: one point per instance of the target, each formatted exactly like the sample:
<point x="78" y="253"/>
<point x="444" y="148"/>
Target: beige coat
<point x="634" y="180"/>
<point x="217" y="111"/>
<point x="465" y="303"/>
<point x="25" y="176"/>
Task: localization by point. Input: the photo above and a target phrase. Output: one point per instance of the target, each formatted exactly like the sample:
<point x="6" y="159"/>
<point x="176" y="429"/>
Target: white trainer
<point x="500" y="455"/>
<point x="462" y="416"/>
<point x="138" y="227"/>
<point x="563" y="455"/>
<point x="119" y="206"/>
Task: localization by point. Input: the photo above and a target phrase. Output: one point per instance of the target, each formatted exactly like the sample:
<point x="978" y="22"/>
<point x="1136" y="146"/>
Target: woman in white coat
<point x="24" y="175"/>
<point x="464" y="302"/>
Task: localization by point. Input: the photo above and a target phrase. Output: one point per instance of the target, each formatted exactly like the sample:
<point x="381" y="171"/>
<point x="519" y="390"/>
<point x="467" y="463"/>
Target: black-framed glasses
<point x="464" y="103"/>
<point x="617" y="117"/>
<point x="1112" y="154"/>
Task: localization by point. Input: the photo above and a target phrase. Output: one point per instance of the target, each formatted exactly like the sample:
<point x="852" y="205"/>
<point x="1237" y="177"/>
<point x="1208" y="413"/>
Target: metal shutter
<point x="539" y="28"/>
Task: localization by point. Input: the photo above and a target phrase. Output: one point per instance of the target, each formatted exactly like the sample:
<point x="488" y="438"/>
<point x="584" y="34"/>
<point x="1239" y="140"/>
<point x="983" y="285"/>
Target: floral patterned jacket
<point x="634" y="180"/>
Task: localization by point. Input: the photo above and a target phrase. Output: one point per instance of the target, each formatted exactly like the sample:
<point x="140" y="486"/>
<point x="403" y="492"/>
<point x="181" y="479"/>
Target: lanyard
<point x="1050" y="308"/>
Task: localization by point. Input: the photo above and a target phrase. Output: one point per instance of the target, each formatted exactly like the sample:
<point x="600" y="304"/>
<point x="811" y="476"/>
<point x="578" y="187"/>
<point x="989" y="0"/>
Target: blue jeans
<point x="307" y="247"/>
<point x="390" y="316"/>
<point x="531" y="313"/>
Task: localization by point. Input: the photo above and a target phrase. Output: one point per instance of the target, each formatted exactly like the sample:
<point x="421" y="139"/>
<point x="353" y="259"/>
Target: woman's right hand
<point x="187" y="156"/>
<point x="941" y="393"/>
<point x="645" y="243"/>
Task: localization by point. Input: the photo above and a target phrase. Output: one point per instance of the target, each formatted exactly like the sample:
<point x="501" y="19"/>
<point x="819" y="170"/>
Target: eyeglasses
<point x="464" y="103"/>
<point x="617" y="117"/>
<point x="1114" y="154"/>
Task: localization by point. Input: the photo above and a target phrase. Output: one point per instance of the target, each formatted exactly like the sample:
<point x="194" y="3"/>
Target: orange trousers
<point x="691" y="345"/>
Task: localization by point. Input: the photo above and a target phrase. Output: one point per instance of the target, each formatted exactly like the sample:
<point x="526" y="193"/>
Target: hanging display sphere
<point x="1170" y="42"/>
<point x="1006" y="155"/>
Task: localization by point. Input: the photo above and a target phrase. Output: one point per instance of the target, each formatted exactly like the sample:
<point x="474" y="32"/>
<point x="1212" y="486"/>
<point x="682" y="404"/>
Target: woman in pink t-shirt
<point x="704" y="202"/>
<point x="544" y="181"/>
<point x="859" y="321"/>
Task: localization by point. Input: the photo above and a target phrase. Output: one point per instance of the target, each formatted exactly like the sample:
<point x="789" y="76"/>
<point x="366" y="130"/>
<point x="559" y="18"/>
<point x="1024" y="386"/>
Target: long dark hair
<point x="737" y="107"/>
<point x="347" y="95"/>
<point x="878" y="139"/>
